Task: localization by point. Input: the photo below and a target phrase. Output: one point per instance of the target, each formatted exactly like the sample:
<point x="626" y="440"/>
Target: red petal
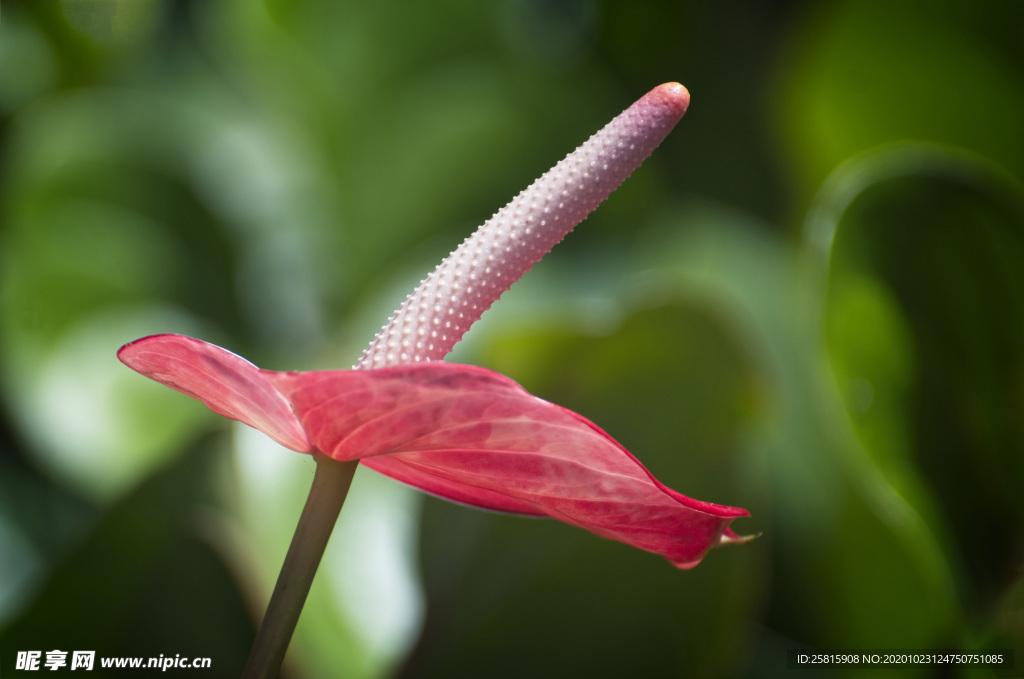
<point x="474" y="436"/>
<point x="227" y="383"/>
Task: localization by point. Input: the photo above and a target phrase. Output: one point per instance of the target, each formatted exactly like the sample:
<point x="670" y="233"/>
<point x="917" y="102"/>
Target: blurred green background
<point x="808" y="303"/>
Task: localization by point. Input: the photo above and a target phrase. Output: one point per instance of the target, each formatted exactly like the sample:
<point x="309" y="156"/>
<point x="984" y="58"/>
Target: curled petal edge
<point x="225" y="382"/>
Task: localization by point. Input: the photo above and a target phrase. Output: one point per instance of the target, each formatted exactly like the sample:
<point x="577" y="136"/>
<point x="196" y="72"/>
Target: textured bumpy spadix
<point x="436" y="315"/>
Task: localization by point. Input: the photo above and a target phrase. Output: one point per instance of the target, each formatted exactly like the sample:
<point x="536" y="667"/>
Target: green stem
<point x="330" y="486"/>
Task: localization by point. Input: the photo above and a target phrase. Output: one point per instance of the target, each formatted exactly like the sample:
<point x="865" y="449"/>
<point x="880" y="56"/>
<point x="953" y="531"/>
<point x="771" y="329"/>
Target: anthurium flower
<point x="462" y="432"/>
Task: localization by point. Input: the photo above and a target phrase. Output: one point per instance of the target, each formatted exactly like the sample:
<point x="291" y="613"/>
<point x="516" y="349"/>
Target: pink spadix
<point x="436" y="315"/>
<point x="461" y="432"/>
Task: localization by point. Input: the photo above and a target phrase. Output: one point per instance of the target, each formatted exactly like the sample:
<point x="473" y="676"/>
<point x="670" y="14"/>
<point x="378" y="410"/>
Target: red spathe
<point x="460" y="432"/>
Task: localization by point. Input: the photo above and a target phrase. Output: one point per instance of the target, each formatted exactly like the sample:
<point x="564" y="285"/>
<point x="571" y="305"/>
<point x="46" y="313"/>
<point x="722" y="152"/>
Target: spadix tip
<point x="674" y="95"/>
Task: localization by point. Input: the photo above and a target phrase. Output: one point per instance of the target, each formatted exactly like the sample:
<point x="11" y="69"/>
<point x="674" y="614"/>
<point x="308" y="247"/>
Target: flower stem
<point x="330" y="486"/>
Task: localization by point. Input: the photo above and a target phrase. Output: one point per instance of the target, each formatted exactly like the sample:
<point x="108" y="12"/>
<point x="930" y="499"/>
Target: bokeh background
<point x="809" y="303"/>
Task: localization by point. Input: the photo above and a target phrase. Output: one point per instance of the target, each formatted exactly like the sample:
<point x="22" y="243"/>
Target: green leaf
<point x="923" y="315"/>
